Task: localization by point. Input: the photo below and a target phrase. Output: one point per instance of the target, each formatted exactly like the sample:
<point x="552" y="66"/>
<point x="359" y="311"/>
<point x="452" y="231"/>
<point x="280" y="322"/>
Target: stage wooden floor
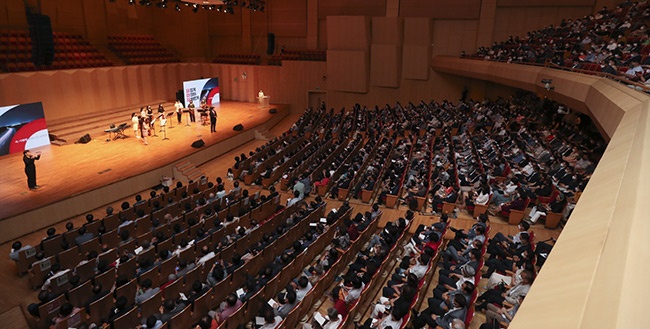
<point x="65" y="171"/>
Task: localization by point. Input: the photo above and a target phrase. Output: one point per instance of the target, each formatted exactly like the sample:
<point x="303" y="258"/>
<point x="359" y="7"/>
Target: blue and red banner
<point x="22" y="127"/>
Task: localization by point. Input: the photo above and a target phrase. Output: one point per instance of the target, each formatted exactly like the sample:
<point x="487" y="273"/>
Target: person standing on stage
<point x="213" y="120"/>
<point x="191" y="108"/>
<point x="150" y="117"/>
<point x="135" y="122"/>
<point x="143" y="112"/>
<point x="161" y="109"/>
<point x="179" y="110"/>
<point x="30" y="168"/>
<point x="144" y="129"/>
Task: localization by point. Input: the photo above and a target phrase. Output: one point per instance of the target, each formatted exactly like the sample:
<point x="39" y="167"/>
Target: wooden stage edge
<point x="79" y="177"/>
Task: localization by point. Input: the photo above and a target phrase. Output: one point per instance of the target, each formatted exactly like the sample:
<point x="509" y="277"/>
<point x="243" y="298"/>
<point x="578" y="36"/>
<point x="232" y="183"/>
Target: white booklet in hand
<point x="259" y="321"/>
<point x="240" y="292"/>
<point x="319" y="318"/>
<point x="272" y="303"/>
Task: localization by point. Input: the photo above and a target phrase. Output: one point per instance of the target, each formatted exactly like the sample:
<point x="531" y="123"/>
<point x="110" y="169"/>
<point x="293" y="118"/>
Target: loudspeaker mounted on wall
<point x="238" y="127"/>
<point x="198" y="144"/>
<point x="270" y="41"/>
<point x="273" y="111"/>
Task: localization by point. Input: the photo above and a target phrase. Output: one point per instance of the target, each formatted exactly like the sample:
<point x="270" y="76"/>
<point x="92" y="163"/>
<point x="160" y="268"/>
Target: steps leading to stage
<point x="263" y="133"/>
<point x="187" y="171"/>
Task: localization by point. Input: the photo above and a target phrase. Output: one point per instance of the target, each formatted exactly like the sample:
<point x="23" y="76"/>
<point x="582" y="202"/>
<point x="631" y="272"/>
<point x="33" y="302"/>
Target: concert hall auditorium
<point x="324" y="164"/>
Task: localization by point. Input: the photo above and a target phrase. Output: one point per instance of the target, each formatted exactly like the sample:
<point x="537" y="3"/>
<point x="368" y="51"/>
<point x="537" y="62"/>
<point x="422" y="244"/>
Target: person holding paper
<point x="30" y="168"/>
<point x="331" y="321"/>
<point x="271" y="321"/>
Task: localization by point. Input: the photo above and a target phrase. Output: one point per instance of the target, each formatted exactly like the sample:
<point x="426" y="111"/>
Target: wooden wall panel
<point x="259" y="23"/>
<point x="12" y="15"/>
<point x="387" y="30"/>
<point x="288" y="18"/>
<point x="225" y="24"/>
<point x="415" y="62"/>
<point x="418" y="31"/>
<point x="452" y="37"/>
<point x="458" y="9"/>
<point x="347" y="70"/>
<point x="348" y="32"/>
<point x="386" y="65"/>
<point x="351" y="8"/>
<point x="516" y="21"/>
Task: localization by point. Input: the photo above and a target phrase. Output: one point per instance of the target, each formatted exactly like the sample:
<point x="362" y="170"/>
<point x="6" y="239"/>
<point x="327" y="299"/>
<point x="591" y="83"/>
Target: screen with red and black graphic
<point x="202" y="90"/>
<point x="22" y="127"/>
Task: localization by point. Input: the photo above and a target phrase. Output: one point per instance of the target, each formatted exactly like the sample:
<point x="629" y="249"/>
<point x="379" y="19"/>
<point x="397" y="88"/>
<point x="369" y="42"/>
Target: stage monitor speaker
<point x="198" y="144"/>
<point x="273" y="111"/>
<point x="270" y="41"/>
<point x="84" y="139"/>
<point x="238" y="127"/>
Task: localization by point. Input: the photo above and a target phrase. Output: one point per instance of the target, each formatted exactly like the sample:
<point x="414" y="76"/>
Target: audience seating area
<point x="614" y="42"/>
<point x="16" y="51"/>
<point x="74" y="51"/>
<point x="213" y="246"/>
<point x="249" y="59"/>
<point x="71" y="51"/>
<point x="140" y="49"/>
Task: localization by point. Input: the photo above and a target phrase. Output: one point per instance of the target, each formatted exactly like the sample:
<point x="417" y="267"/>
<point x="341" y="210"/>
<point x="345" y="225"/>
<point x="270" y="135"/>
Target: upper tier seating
<point x="140" y="49"/>
<point x="70" y="51"/>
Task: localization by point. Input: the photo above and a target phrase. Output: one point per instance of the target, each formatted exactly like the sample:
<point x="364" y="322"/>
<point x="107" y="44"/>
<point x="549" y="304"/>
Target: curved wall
<point x="595" y="275"/>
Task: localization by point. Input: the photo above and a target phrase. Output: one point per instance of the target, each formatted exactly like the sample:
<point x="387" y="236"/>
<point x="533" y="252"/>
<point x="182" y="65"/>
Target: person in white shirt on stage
<point x="135" y="122"/>
<point x="179" y="110"/>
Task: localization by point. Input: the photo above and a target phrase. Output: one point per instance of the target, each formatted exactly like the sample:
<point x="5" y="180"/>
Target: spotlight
<point x="178" y="8"/>
<point x="132" y="2"/>
<point x="220" y="8"/>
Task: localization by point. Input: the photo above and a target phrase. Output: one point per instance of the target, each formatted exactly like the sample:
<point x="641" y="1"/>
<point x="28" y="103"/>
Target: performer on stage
<point x="30" y="168"/>
<point x="260" y="95"/>
<point x="135" y="122"/>
<point x="161" y="109"/>
<point x="179" y="110"/>
<point x="143" y="112"/>
<point x="150" y="117"/>
<point x="192" y="108"/>
<point x="213" y="120"/>
<point x="144" y="129"/>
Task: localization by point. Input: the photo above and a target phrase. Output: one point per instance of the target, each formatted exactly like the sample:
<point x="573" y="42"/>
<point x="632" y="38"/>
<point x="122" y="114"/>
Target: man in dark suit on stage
<point x="213" y="120"/>
<point x="30" y="168"/>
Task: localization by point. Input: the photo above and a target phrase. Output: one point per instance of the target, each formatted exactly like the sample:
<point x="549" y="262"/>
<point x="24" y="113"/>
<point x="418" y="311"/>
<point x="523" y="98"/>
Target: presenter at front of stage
<point x="213" y="120"/>
<point x="30" y="168"/>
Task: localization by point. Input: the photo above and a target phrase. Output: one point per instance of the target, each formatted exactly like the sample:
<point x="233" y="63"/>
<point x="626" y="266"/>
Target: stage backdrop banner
<point x="203" y="89"/>
<point x="22" y="127"/>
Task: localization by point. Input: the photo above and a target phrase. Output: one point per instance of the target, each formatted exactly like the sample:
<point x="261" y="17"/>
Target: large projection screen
<point x="201" y="90"/>
<point x="22" y="127"/>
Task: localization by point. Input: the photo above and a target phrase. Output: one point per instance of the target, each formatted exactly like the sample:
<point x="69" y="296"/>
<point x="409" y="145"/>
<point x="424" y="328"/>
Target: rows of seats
<point x="612" y="42"/>
<point x="303" y="55"/>
<point x="16" y="51"/>
<point x="71" y="51"/>
<point x="147" y="228"/>
<point x="140" y="49"/>
<point x="246" y="59"/>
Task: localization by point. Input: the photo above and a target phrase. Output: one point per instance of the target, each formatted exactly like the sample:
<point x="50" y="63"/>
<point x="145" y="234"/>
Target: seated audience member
<point x="227" y="308"/>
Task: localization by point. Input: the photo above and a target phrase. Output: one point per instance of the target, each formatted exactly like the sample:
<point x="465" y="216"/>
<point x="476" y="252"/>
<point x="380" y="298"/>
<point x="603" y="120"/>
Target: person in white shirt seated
<point x="271" y="321"/>
<point x="302" y="287"/>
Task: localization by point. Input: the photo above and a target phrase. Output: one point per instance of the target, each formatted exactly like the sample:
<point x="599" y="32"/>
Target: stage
<point x="77" y="176"/>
